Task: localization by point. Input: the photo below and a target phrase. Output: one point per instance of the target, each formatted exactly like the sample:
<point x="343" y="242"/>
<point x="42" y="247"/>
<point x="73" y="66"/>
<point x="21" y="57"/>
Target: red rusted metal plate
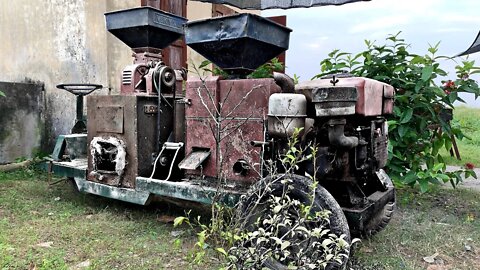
<point x="199" y="91"/>
<point x="236" y="146"/>
<point x="236" y="114"/>
<point x="246" y="98"/>
<point x="370" y="93"/>
<point x="200" y="135"/>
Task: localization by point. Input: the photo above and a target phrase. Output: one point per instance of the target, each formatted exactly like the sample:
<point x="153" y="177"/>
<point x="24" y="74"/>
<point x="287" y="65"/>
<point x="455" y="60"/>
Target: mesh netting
<point x="283" y="4"/>
<point x="475" y="47"/>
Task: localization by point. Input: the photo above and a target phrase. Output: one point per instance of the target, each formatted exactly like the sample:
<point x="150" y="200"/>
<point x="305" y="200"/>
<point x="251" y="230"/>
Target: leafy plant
<point x="2" y="94"/>
<point x="264" y="71"/>
<point x="274" y="226"/>
<point x="422" y="98"/>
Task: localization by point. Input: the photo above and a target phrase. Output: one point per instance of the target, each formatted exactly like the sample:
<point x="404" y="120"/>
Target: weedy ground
<point x="443" y="224"/>
<point x="54" y="227"/>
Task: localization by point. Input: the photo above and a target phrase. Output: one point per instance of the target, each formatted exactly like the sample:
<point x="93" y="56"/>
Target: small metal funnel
<point x="238" y="44"/>
<point x="145" y="27"/>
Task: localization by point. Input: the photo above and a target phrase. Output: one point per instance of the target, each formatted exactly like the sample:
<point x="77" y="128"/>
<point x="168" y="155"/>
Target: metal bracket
<point x="195" y="159"/>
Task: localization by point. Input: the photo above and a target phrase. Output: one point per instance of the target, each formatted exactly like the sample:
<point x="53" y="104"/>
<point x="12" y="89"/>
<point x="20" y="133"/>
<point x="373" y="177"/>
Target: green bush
<point x="424" y="92"/>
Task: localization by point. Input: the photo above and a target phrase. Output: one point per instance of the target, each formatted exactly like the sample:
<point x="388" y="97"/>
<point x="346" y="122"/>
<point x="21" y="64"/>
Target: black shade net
<point x="283" y="4"/>
<point x="475" y="47"/>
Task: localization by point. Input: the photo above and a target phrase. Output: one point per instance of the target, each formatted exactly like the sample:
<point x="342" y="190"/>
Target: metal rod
<point x="80" y="108"/>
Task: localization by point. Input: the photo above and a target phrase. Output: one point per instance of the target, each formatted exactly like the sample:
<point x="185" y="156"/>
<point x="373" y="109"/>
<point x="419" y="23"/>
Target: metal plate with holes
<point x="150" y="109"/>
<point x="109" y="119"/>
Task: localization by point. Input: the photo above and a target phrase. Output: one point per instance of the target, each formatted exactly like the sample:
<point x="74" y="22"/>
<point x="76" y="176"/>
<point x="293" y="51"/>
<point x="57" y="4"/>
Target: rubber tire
<point x="379" y="220"/>
<point x="302" y="188"/>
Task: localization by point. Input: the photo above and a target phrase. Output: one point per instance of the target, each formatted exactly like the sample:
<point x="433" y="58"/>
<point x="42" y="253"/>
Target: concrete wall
<point x="65" y="41"/>
<point x="22" y="121"/>
<point x="58" y="41"/>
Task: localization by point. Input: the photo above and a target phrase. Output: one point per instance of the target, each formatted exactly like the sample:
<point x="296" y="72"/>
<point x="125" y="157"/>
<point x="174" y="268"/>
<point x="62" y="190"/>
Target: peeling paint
<point x="97" y="150"/>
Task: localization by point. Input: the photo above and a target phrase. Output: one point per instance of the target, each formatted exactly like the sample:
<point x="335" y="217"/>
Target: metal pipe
<point x="159" y="114"/>
<point x="336" y="135"/>
<point x="285" y="82"/>
<point x="259" y="143"/>
<point x="80" y="116"/>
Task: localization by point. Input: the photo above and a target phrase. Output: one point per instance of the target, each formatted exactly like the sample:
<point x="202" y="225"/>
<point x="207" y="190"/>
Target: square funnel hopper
<point x="238" y="44"/>
<point x="145" y="27"/>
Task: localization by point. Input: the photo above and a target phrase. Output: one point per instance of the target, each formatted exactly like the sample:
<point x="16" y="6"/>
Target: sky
<point x="317" y="31"/>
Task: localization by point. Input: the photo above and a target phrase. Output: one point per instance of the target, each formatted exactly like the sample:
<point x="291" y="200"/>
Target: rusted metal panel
<point x="235" y="146"/>
<point x="123" y="194"/>
<point x="190" y="191"/>
<point x="109" y="119"/>
<point x="202" y="95"/>
<point x="370" y="93"/>
<point x="95" y="103"/>
<point x="246" y="98"/>
<point x="232" y="114"/>
<point x="139" y="135"/>
<point x="200" y="134"/>
<point x="388" y="99"/>
<point x="76" y="146"/>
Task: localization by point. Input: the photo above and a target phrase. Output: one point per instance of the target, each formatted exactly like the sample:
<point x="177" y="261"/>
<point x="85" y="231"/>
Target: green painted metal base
<point x="188" y="191"/>
<point x="77" y="168"/>
<point x="145" y="188"/>
<point x="118" y="193"/>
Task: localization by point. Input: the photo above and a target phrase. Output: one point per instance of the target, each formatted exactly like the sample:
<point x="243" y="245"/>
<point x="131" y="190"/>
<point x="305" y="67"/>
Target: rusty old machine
<point x="215" y="135"/>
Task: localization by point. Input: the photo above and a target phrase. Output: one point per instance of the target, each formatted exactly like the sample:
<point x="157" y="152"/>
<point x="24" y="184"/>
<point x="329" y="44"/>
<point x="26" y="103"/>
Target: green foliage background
<point x="420" y="102"/>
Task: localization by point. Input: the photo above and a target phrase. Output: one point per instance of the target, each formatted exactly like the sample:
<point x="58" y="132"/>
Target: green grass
<point x="115" y="235"/>
<point x="468" y="119"/>
<point x="106" y="233"/>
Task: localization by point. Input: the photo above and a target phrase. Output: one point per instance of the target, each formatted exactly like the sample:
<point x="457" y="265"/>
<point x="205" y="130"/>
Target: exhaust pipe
<point x="336" y="135"/>
<point x="285" y="82"/>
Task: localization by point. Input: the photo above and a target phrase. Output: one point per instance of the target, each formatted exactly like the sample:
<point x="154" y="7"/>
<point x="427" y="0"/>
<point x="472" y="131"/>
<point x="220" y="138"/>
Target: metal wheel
<point x="256" y="206"/>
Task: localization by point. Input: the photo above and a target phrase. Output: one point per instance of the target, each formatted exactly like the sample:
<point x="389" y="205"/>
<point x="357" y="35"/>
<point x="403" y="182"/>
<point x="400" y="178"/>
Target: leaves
<point x="427" y="73"/>
<point x="419" y="102"/>
<point x="179" y="221"/>
<point x="2" y="94"/>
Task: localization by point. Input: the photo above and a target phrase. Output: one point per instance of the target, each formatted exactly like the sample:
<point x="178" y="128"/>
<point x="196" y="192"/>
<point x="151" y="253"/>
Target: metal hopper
<point x="145" y="27"/>
<point x="238" y="44"/>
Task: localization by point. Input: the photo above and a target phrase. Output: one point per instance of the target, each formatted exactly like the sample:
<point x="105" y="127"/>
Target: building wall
<point x="22" y="121"/>
<point x="65" y="41"/>
<point x="56" y="41"/>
